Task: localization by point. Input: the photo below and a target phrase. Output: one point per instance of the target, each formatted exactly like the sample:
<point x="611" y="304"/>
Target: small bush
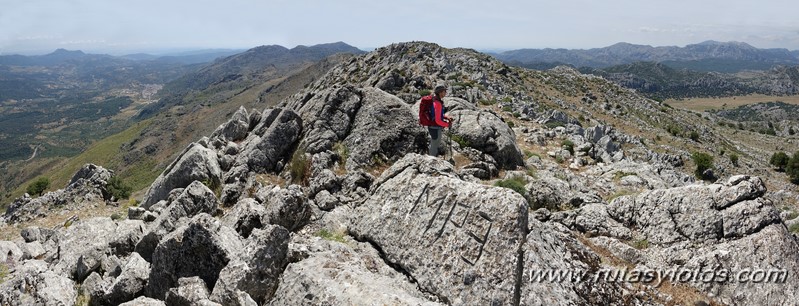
<point x="328" y="235"/>
<point x="118" y="189"/>
<point x="792" y="169"/>
<point x="511" y="124"/>
<point x="641" y="244"/>
<point x="779" y="160"/>
<point x="554" y="124"/>
<point x="517" y="114"/>
<point x="38" y="186"/>
<point x="488" y="102"/>
<point x="794" y="228"/>
<point x="299" y="166"/>
<point x="559" y="159"/>
<point x="674" y="130"/>
<point x="734" y="159"/>
<point x="342" y="151"/>
<point x="694" y="136"/>
<point x="515" y="184"/>
<point x="568" y="145"/>
<point x="460" y="140"/>
<point x="424" y="92"/>
<point x="117" y="216"/>
<point x="703" y="162"/>
<point x="507" y="108"/>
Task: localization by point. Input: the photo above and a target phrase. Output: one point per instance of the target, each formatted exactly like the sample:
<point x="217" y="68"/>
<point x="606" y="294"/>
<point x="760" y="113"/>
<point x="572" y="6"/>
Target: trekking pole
<point x="449" y="144"/>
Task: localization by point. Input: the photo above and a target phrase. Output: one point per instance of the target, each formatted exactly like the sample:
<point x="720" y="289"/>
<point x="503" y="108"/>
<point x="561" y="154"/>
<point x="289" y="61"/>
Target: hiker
<point x="432" y="114"/>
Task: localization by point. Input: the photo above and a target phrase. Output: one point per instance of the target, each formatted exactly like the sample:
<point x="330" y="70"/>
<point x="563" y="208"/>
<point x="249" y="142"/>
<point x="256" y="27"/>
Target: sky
<point x="121" y="27"/>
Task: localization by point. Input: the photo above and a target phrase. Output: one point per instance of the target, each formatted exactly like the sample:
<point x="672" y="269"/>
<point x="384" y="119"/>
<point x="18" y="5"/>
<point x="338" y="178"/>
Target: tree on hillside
<point x="703" y="163"/>
<point x="792" y="168"/>
<point x="779" y="160"/>
<point x="38" y="187"/>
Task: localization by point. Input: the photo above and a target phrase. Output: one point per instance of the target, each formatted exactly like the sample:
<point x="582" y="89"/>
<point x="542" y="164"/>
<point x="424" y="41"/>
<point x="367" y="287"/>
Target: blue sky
<point x="117" y="27"/>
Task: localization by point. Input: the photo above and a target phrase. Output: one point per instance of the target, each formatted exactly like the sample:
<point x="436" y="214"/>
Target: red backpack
<point x="425" y="117"/>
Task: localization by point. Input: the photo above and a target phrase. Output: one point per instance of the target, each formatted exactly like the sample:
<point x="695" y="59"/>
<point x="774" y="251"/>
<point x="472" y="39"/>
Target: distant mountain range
<point x="63" y="56"/>
<point x="705" y="56"/>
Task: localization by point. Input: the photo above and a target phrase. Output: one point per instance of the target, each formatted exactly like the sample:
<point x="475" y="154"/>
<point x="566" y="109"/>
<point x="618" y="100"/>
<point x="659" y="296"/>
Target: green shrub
<point x="507" y="108"/>
<point x="794" y="228"/>
<point x="507" y="99"/>
<point x="299" y="166"/>
<point x="488" y="102"/>
<point x="515" y="184"/>
<point x="694" y="136"/>
<point x="792" y="169"/>
<point x="734" y="159"/>
<point x="118" y="189"/>
<point x="641" y="244"/>
<point x="342" y="151"/>
<point x="38" y="186"/>
<point x="424" y="92"/>
<point x="554" y="124"/>
<point x="460" y="140"/>
<point x="517" y="114"/>
<point x="779" y="160"/>
<point x="511" y="124"/>
<point x="332" y="236"/>
<point x="674" y="130"/>
<point x="568" y="145"/>
<point x="703" y="162"/>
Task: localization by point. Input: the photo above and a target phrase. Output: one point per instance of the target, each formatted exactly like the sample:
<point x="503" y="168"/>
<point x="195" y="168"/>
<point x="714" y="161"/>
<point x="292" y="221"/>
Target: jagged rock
<point x="189" y="292"/>
<point x="33" y="284"/>
<point x="92" y="239"/>
<point x="34" y="233"/>
<point x="194" y="199"/>
<point x="234" y="129"/>
<point x="245" y="216"/>
<point x="554" y="249"/>
<point x="264" y="257"/>
<point x="344" y="274"/>
<point x="136" y="213"/>
<point x="144" y="301"/>
<point x="196" y="163"/>
<point x="481" y="170"/>
<point x="270" y="142"/>
<point x="468" y="244"/>
<point x="88" y="185"/>
<point x="94" y="287"/>
<point x="131" y="283"/>
<point x="10" y="252"/>
<point x="32" y="250"/>
<point x="326" y="201"/>
<point x="696" y="212"/>
<point x="439" y="233"/>
<point x="486" y="132"/>
<point x="556" y="116"/>
<point x="324" y="180"/>
<point x="287" y="207"/>
<point x="201" y="248"/>
<point x="594" y="219"/>
<point x="371" y="123"/>
<point x="552" y="193"/>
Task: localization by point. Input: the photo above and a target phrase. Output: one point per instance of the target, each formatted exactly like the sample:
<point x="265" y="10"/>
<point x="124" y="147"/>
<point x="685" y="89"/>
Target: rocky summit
<point x="556" y="188"/>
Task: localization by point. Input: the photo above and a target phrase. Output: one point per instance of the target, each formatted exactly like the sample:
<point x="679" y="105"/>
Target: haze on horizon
<point x="41" y="26"/>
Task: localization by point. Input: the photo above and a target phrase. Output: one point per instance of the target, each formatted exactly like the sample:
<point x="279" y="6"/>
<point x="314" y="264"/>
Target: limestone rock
<point x="195" y="163"/>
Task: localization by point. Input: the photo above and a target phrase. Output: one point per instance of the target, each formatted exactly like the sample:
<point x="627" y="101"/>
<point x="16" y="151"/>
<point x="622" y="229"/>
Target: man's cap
<point x="439" y="89"/>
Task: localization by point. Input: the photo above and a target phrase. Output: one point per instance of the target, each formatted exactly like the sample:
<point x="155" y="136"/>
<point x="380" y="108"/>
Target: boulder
<point x="271" y="142"/>
<point x="287" y="207"/>
<point x="263" y="259"/>
<point x="202" y="248"/>
<point x="189" y="292"/>
<point x="144" y="301"/>
<point x="131" y="283"/>
<point x="234" y="129"/>
<point x="486" y="132"/>
<point x="245" y="216"/>
<point x="349" y="273"/>
<point x="195" y="163"/>
<point x="458" y="240"/>
<point x="194" y="199"/>
<point x="33" y="284"/>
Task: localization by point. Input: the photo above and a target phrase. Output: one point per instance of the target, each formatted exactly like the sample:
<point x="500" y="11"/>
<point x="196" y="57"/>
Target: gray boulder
<point x="487" y="132"/>
<point x="245" y="216"/>
<point x="131" y="283"/>
<point x="195" y="163"/>
<point x="88" y="241"/>
<point x="189" y="292"/>
<point x="270" y="143"/>
<point x="195" y="199"/>
<point x="234" y="129"/>
<point x="696" y="213"/>
<point x="201" y="248"/>
<point x="33" y="284"/>
<point x="287" y="207"/>
<point x="336" y="273"/>
<point x="263" y="259"/>
<point x="372" y="124"/>
<point x="144" y="301"/>
<point x="461" y="241"/>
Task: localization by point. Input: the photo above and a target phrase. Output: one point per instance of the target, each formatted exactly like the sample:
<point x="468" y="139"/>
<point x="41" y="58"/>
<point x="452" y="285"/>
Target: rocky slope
<point x="324" y="199"/>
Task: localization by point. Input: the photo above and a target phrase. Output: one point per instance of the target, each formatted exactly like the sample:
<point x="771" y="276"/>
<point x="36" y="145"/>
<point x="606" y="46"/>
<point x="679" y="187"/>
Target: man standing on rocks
<point x="439" y="119"/>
